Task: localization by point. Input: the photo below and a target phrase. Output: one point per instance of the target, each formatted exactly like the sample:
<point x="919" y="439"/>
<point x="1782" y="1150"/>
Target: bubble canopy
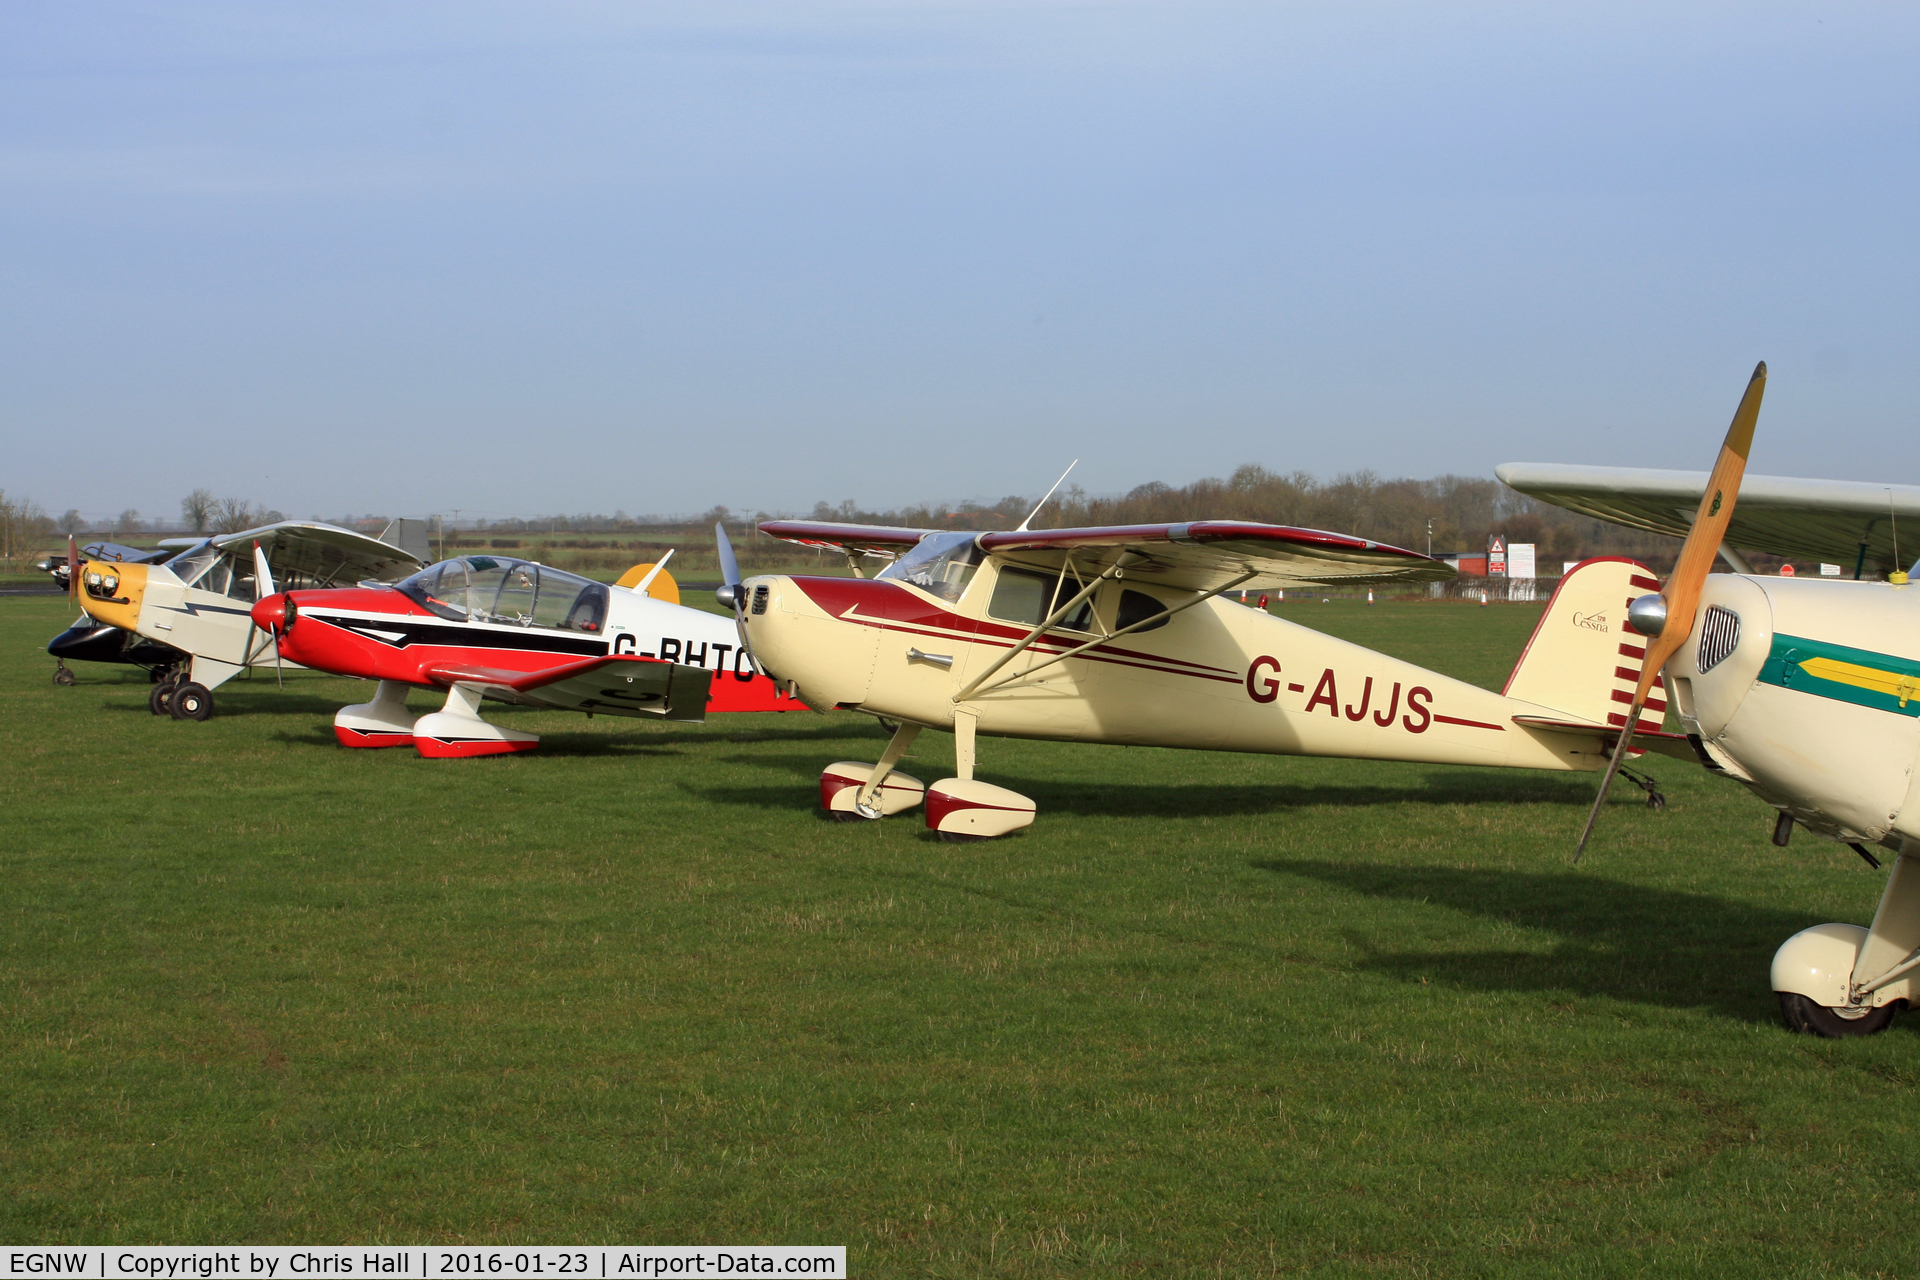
<point x="509" y="592"/>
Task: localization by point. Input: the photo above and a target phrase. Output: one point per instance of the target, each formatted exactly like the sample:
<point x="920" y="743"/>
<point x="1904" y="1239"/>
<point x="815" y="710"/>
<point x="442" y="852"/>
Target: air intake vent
<point x="1719" y="635"/>
<point x="760" y="600"/>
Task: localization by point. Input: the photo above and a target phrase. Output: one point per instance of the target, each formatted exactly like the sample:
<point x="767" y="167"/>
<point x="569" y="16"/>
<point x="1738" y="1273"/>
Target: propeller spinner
<point x="1666" y="619"/>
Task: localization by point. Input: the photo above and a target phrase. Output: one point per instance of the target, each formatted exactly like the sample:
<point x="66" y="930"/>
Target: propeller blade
<point x="262" y="575"/>
<point x="73" y="570"/>
<point x="729" y="593"/>
<point x="279" y="682"/>
<point x="1672" y="622"/>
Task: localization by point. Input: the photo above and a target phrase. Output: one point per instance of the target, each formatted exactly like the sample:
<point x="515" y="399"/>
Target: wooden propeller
<point x="1681" y="595"/>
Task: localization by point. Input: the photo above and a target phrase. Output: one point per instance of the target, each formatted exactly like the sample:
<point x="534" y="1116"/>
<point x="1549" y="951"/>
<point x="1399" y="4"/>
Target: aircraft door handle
<point x="941" y="660"/>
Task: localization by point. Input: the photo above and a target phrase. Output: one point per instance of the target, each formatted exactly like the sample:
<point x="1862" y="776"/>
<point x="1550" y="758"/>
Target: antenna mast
<point x="1043" y="502"/>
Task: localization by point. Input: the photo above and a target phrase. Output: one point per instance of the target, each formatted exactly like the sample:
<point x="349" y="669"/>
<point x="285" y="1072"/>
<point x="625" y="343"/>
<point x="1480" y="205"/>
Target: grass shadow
<point x="1194" y="800"/>
<point x="713" y="735"/>
<point x="1622" y="941"/>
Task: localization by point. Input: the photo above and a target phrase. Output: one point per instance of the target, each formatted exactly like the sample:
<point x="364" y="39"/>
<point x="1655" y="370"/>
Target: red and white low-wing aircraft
<point x="483" y="627"/>
<point x="1121" y="635"/>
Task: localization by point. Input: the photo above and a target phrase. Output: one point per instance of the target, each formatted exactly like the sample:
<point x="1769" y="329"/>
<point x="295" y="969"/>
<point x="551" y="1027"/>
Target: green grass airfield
<point x="1212" y="1015"/>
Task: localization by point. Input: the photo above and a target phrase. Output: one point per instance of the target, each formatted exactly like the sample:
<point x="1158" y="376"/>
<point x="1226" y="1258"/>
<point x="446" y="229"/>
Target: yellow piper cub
<point x="1121" y="635"/>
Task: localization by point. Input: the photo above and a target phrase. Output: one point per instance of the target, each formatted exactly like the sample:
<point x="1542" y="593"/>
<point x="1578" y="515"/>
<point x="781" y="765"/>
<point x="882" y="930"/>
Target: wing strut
<point x="1051" y="619"/>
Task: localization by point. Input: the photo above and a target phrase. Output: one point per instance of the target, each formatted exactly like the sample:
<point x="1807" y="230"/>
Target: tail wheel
<point x="191" y="702"/>
<point x="1803" y="1014"/>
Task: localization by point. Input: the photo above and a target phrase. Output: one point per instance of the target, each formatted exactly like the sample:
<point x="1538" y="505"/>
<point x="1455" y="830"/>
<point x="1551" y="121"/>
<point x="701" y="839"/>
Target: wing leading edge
<point x="1200" y="555"/>
<point x="1205" y="555"/>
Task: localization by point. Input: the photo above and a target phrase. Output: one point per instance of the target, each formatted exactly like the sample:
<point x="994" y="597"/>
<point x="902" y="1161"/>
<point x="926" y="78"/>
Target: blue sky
<point x="522" y="259"/>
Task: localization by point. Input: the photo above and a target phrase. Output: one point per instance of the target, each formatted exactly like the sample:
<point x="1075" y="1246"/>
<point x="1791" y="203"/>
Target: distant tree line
<point x="1461" y="512"/>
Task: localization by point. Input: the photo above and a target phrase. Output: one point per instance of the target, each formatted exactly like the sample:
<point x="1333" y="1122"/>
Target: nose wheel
<point x="1839" y="981"/>
<point x="1809" y="1016"/>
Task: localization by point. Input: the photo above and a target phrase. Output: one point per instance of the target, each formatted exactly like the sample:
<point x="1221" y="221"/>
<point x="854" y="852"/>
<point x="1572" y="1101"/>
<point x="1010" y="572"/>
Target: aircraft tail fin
<point x="1583" y="658"/>
<point x="659" y="583"/>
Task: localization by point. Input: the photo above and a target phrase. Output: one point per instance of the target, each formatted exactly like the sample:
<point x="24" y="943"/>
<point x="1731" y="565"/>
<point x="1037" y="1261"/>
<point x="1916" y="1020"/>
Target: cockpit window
<point x="440" y="589"/>
<point x="191" y="563"/>
<point x="568" y="603"/>
<point x="1136" y="607"/>
<point x="942" y="563"/>
<point x="487" y="589"/>
<point x="1021" y="595"/>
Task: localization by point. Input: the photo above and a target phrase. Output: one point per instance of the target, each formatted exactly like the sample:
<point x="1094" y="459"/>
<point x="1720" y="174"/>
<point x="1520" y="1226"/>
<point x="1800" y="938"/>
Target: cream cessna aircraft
<point x="1123" y="635"/>
<point x="199" y="600"/>
<point x="1804" y="689"/>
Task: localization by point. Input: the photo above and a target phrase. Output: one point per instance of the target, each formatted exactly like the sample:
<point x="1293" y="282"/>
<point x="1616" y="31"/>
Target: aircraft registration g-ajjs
<point x="481" y="627"/>
<point x="196" y="599"/>
<point x="1806" y="690"/>
<point x="1122" y="635"/>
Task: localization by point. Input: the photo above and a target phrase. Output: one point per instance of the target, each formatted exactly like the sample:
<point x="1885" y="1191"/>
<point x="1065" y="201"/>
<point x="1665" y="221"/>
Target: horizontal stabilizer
<point x="1657" y="741"/>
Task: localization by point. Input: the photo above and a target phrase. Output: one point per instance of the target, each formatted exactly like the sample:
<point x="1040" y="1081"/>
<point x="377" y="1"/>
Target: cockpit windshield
<point x="191" y="563"/>
<point x="942" y="563"/>
<point x="518" y="592"/>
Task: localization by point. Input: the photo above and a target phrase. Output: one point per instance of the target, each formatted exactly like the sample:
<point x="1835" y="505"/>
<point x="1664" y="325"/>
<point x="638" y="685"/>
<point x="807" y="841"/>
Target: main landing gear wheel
<point x="1803" y="1014"/>
<point x="63" y="676"/>
<point x="191" y="702"/>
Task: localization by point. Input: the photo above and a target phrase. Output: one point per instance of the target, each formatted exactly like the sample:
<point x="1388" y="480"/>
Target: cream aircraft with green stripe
<point x="1805" y="689"/>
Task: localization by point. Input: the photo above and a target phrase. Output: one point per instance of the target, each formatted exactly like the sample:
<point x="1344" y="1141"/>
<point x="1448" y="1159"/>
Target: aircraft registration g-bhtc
<point x="489" y="627"/>
<point x="1122" y="635"/>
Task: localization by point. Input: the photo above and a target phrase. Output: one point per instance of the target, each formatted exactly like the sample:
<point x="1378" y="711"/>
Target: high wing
<point x="1845" y="522"/>
<point x="616" y="685"/>
<point x="323" y="553"/>
<point x="860" y="538"/>
<point x="1207" y="555"/>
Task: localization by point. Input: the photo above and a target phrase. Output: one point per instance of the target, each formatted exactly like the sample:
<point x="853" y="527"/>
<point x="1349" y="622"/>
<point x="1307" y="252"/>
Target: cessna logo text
<point x="1591" y="621"/>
